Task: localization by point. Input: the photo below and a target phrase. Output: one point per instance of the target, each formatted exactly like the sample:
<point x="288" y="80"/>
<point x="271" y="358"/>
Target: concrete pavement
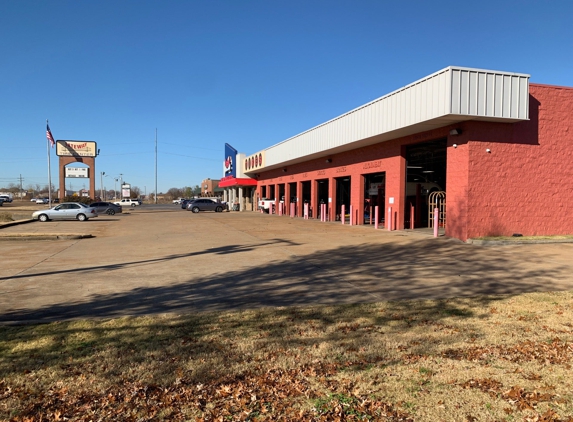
<point x="152" y="261"/>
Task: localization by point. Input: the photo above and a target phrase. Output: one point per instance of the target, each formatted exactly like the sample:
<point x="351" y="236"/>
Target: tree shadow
<point x="325" y="287"/>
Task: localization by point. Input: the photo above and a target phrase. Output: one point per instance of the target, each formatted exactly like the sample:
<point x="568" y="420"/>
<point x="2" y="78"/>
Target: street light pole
<point x="101" y="186"/>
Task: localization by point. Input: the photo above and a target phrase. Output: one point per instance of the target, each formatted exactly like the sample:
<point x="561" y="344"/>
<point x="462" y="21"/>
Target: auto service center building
<point x="493" y="151"/>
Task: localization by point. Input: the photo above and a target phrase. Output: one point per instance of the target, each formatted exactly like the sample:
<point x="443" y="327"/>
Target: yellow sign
<point x="76" y="149"/>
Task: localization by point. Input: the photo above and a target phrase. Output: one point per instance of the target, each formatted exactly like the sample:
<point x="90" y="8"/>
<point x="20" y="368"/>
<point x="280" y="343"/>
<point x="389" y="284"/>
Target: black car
<point x="107" y="208"/>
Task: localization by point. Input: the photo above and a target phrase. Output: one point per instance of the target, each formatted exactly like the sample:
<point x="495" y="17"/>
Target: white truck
<point x="7" y="196"/>
<point x="128" y="202"/>
<point x="266" y="205"/>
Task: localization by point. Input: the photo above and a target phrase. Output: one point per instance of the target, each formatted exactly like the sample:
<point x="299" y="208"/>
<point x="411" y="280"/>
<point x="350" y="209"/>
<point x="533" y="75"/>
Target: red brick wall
<point x="525" y="185"/>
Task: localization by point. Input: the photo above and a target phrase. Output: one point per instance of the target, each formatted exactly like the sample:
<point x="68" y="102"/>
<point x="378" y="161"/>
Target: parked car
<point x="178" y="201"/>
<point x="185" y="202"/>
<point x="66" y="211"/>
<point x="42" y="201"/>
<point x="128" y="202"/>
<point x="6" y="198"/>
<point x="203" y="204"/>
<point x="106" y="208"/>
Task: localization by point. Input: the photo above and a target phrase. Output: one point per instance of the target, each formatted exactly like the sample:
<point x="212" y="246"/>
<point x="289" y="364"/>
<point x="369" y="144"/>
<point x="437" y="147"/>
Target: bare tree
<point x="135" y="192"/>
<point x="174" y="193"/>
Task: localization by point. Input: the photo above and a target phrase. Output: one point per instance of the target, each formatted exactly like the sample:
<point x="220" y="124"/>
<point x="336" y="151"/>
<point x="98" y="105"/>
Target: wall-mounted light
<point x="329" y="160"/>
<point x="488" y="150"/>
<point x="455" y="145"/>
<point x="455" y="132"/>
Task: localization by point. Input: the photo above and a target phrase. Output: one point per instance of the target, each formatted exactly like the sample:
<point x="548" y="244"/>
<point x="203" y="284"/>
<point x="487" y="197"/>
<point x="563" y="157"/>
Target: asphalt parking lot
<point x="154" y="260"/>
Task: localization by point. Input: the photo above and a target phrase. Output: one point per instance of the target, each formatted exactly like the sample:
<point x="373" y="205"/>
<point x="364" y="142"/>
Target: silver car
<point x="66" y="211"/>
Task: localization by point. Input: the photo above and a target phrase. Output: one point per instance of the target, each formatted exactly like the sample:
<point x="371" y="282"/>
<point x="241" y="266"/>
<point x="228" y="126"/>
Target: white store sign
<point x="77" y="172"/>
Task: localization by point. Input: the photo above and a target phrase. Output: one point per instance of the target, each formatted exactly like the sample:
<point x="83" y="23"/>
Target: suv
<point x="6" y="198"/>
<point x="128" y="202"/>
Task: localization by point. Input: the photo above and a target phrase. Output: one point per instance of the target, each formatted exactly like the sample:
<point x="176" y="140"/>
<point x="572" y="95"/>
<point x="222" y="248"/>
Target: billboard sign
<point x="229" y="164"/>
<point x="77" y="172"/>
<point x="76" y="149"/>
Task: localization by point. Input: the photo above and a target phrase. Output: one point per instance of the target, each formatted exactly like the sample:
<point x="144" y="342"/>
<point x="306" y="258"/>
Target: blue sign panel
<point x="230" y="164"/>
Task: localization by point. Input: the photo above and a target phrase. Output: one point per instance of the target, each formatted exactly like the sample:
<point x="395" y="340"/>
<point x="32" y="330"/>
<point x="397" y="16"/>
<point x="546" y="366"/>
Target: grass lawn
<point x="480" y="359"/>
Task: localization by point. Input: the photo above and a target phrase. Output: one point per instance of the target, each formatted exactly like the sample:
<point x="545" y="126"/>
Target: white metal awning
<point x="451" y="95"/>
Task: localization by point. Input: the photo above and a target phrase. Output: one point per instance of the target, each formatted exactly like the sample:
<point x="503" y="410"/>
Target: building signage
<point x="76" y="149"/>
<point x="254" y="162"/>
<point x="77" y="172"/>
<point x="229" y="164"/>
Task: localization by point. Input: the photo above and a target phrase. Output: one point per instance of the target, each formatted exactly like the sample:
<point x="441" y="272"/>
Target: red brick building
<point x="497" y="147"/>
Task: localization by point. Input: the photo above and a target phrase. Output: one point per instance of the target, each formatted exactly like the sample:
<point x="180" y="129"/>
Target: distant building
<point x="210" y="188"/>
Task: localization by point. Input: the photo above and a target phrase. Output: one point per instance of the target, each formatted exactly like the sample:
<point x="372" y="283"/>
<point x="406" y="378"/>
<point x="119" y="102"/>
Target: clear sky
<point x="251" y="73"/>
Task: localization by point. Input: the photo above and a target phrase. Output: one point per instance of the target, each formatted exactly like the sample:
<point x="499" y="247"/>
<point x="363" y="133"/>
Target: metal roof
<point x="443" y="98"/>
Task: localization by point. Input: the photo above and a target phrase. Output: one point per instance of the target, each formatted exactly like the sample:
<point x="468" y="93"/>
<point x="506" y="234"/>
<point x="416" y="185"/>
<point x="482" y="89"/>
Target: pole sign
<point x="76" y="149"/>
<point x="126" y="190"/>
<point x="77" y="172"/>
<point x="230" y="163"/>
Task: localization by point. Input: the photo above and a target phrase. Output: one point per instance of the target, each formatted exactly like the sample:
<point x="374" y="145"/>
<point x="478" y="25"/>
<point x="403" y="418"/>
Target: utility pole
<point x="21" y="187"/>
<point x="121" y="185"/>
<point x="155" y="165"/>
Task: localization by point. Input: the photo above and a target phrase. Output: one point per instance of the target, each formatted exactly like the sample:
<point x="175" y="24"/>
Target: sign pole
<point x="49" y="172"/>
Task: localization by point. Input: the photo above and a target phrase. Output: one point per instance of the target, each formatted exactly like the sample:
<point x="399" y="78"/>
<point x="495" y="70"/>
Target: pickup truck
<point x="266" y="205"/>
<point x="128" y="202"/>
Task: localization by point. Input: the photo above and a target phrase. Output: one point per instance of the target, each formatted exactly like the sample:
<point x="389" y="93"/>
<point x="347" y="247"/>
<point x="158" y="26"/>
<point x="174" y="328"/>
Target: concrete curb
<point x="45" y="236"/>
<point x="15" y="223"/>
<point x="516" y="242"/>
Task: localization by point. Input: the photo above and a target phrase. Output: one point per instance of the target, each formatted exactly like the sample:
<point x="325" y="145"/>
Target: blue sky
<point x="250" y="73"/>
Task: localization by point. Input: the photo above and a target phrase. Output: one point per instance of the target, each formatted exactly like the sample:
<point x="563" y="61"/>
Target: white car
<point x="128" y="202"/>
<point x="42" y="201"/>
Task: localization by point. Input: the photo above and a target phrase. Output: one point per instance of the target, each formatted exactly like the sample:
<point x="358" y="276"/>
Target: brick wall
<point x="524" y="185"/>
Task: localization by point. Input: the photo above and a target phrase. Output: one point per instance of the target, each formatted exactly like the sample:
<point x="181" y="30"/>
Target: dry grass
<point x="5" y="217"/>
<point x="480" y="359"/>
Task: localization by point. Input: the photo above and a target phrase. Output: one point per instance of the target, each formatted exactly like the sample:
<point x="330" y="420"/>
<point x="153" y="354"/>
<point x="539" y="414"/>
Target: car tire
<point x="110" y="212"/>
<point x="219" y="209"/>
<point x="81" y="217"/>
<point x="195" y="209"/>
<point x="43" y="218"/>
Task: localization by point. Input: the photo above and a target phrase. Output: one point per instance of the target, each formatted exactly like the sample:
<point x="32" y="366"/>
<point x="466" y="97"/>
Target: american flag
<point x="49" y="136"/>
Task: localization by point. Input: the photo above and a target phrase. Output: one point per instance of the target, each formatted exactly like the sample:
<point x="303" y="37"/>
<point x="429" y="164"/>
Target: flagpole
<point x="49" y="172"/>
